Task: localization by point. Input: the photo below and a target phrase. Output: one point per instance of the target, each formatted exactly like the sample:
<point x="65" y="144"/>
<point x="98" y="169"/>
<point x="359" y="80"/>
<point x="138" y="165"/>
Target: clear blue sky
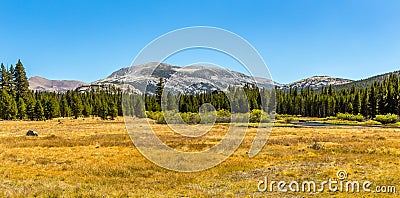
<point x="87" y="40"/>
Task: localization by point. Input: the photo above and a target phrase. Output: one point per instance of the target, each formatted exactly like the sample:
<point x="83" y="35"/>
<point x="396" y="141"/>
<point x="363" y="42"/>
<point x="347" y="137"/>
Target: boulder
<point x="32" y="133"/>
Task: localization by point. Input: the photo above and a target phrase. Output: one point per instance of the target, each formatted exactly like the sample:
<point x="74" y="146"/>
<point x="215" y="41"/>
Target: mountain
<point x="363" y="83"/>
<point x="197" y="79"/>
<point x="189" y="79"/>
<point x="38" y="83"/>
<point x="317" y="82"/>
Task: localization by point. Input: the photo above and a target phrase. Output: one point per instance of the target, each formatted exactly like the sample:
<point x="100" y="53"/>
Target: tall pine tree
<point x="21" y="81"/>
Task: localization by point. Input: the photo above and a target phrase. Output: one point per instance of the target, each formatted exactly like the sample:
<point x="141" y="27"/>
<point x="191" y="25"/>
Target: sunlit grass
<point x="94" y="158"/>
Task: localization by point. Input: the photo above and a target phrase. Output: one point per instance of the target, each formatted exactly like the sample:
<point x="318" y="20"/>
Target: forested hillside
<point x="365" y="83"/>
<point x="382" y="97"/>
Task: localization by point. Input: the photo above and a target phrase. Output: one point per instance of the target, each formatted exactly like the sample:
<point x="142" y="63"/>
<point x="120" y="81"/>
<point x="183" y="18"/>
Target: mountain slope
<point x="38" y="83"/>
<point x="189" y="79"/>
<point x="317" y="82"/>
<point x="363" y="83"/>
<point x="196" y="79"/>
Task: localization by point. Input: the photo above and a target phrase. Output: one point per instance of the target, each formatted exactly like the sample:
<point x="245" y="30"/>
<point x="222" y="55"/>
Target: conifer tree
<point x="139" y="107"/>
<point x="39" y="111"/>
<point x="87" y="110"/>
<point x="171" y="102"/>
<point x="30" y="108"/>
<point x="21" y="81"/>
<point x="51" y="108"/>
<point x="103" y="112"/>
<point x="64" y="108"/>
<point x="159" y="92"/>
<point x="113" y="110"/>
<point x="21" y="109"/>
<point x="11" y="82"/>
<point x="76" y="106"/>
<point x="8" y="106"/>
<point x="4" y="78"/>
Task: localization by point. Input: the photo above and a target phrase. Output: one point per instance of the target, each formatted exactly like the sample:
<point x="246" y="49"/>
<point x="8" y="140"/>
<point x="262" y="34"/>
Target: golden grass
<point x="96" y="158"/>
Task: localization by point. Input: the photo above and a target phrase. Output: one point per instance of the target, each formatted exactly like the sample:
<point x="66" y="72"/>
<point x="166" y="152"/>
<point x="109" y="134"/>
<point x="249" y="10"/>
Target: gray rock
<point x="32" y="133"/>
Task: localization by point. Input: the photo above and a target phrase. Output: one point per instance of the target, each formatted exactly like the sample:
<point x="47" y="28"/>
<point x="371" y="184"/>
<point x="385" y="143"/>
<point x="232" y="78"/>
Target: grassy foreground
<point x="95" y="158"/>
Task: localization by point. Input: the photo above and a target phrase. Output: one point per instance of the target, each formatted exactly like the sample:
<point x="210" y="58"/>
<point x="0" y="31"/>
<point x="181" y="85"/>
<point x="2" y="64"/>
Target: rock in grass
<point x="32" y="133"/>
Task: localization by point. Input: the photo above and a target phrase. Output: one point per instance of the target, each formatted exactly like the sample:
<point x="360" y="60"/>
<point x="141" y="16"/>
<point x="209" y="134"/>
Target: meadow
<point x="96" y="158"/>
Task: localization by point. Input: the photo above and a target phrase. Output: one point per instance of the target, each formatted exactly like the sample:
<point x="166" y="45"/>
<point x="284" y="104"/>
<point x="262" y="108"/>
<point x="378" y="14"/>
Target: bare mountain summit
<point x="38" y="83"/>
<point x="189" y="79"/>
<point x="195" y="79"/>
<point x="316" y="82"/>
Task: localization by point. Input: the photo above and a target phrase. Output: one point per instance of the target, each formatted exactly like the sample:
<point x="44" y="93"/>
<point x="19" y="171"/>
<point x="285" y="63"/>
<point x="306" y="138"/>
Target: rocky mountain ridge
<point x="41" y="84"/>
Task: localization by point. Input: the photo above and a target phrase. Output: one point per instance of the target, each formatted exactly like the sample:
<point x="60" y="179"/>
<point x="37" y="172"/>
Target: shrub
<point x="290" y="119"/>
<point x="255" y="115"/>
<point x="151" y="115"/>
<point x="265" y="118"/>
<point x="208" y="117"/>
<point x="193" y="118"/>
<point x="174" y="117"/>
<point x="351" y="117"/>
<point x="177" y="118"/>
<point x="159" y="117"/>
<point x="223" y="116"/>
<point x="315" y="146"/>
<point x="387" y="119"/>
<point x="240" y="117"/>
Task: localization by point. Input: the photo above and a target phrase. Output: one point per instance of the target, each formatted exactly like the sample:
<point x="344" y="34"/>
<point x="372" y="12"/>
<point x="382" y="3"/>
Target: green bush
<point x="157" y="116"/>
<point x="240" y="118"/>
<point x="265" y="118"/>
<point x="281" y="116"/>
<point x="174" y="117"/>
<point x="290" y="119"/>
<point x="255" y="115"/>
<point x="351" y="117"/>
<point x="190" y="118"/>
<point x="386" y="119"/>
<point x="223" y="116"/>
<point x="208" y="117"/>
<point x="151" y="115"/>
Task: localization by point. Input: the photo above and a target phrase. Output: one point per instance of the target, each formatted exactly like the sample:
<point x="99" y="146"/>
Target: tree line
<point x="379" y="98"/>
<point x="237" y="99"/>
<point x="18" y="102"/>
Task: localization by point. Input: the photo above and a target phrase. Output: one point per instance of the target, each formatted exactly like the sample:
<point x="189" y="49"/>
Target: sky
<point x="88" y="40"/>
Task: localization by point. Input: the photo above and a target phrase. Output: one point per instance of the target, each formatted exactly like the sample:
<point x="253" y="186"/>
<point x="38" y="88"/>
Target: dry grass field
<point x="95" y="158"/>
